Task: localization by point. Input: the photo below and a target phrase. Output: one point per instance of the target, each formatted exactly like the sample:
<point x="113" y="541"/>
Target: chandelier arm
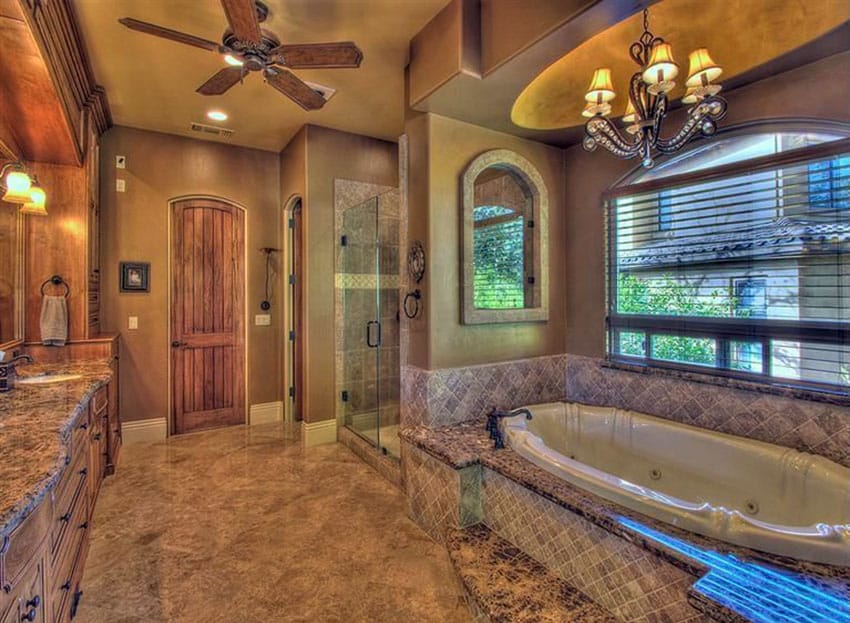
<point x="601" y="131"/>
<point x="702" y="119"/>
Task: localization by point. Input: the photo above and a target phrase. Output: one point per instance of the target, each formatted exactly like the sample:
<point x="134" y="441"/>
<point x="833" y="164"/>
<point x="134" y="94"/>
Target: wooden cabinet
<point x="42" y="560"/>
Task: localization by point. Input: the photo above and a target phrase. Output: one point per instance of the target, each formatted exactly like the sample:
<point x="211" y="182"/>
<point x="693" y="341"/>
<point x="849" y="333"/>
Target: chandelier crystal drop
<point x="648" y="102"/>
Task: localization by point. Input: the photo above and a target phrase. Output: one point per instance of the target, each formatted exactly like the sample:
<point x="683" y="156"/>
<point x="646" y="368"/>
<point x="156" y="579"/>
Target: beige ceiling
<point x="739" y="34"/>
<point x="151" y="82"/>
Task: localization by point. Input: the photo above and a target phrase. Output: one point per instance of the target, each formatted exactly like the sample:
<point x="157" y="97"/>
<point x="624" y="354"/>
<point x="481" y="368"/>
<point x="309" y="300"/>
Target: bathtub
<point x="744" y="492"/>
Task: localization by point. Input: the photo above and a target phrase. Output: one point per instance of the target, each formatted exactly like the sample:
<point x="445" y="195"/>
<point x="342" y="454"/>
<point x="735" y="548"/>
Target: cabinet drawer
<point x="68" y="497"/>
<point x="100" y="400"/>
<point x="62" y="575"/>
<point x="27" y="602"/>
<point x="20" y="547"/>
<point x="67" y="578"/>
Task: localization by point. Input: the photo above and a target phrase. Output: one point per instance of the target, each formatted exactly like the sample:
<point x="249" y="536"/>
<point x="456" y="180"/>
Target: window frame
<point x="723" y="330"/>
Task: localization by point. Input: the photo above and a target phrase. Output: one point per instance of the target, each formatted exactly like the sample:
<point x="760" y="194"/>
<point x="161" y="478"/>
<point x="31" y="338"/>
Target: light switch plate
<point x="263" y="320"/>
<point x="132" y="322"/>
<point x="120" y="162"/>
<point x="120" y="186"/>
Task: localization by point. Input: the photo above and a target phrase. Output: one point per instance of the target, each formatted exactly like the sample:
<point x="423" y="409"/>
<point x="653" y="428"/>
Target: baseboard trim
<point x="155" y="429"/>
<point x="317" y="433"/>
<point x="265" y="413"/>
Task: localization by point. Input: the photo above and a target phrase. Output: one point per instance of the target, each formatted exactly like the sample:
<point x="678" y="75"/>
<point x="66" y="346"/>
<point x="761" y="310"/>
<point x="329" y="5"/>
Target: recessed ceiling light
<point x="232" y="60"/>
<point x="217" y="115"/>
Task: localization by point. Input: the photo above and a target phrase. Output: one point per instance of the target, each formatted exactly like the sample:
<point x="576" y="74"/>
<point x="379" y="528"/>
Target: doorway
<point x="296" y="313"/>
<point x="207" y="315"/>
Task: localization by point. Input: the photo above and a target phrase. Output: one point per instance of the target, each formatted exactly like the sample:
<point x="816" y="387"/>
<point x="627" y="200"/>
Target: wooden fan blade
<point x="173" y="35"/>
<point x="221" y="81"/>
<point x="317" y="55"/>
<point x="295" y="89"/>
<point x="242" y="17"/>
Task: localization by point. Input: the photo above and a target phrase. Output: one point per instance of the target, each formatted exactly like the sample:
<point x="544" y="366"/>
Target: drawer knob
<point x="66" y="586"/>
<point x="84" y="471"/>
<point x="29" y="616"/>
<point x="84" y="525"/>
<point x="96" y="436"/>
<point x="84" y="426"/>
<point x="65" y="517"/>
<point x="35" y="602"/>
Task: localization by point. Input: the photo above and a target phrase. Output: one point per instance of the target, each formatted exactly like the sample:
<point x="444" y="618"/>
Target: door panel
<point x="207" y="315"/>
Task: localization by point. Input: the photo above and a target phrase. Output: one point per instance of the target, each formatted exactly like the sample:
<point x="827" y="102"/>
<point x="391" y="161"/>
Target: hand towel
<point x="54" y="320"/>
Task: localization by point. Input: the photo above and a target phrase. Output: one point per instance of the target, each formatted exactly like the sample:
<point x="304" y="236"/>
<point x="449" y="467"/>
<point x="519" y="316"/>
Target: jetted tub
<point x="745" y="492"/>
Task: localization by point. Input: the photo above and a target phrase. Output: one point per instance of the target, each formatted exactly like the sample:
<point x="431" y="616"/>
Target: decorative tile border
<point x="436" y="398"/>
<point x="808" y="426"/>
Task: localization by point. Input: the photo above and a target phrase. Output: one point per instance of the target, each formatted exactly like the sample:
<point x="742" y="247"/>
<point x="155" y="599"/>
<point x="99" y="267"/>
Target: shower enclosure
<point x="367" y="320"/>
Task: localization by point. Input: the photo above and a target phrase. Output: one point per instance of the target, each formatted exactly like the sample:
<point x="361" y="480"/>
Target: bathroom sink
<point x="43" y="379"/>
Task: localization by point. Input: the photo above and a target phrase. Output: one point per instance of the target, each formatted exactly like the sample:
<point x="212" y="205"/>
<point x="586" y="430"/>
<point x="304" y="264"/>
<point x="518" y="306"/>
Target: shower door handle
<point x="373" y="324"/>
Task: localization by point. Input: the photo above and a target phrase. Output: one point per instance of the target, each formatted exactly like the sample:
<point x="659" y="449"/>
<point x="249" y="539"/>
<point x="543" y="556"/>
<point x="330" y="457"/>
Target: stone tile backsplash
<point x="805" y="425"/>
<point x="435" y="398"/>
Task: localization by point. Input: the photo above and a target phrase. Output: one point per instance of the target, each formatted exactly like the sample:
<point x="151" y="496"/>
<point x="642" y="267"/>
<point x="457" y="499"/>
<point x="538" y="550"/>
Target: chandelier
<point x="648" y="101"/>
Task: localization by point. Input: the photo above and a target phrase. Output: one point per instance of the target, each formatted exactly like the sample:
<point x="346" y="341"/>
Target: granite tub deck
<point x="35" y="428"/>
<point x="727" y="583"/>
<point x="506" y="585"/>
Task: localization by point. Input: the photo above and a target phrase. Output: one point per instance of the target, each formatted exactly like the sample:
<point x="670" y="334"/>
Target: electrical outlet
<point x="120" y="162"/>
<point x="132" y="322"/>
<point x="263" y="320"/>
<point x="120" y="186"/>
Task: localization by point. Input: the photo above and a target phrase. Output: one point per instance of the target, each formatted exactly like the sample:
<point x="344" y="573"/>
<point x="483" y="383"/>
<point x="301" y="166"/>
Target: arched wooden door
<point x="207" y="315"/>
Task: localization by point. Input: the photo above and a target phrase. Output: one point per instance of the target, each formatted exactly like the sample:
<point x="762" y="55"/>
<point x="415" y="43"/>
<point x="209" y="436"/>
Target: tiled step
<point x="507" y="586"/>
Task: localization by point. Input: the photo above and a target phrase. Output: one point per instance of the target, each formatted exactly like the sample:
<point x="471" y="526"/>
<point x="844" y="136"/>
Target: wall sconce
<point x="19" y="187"/>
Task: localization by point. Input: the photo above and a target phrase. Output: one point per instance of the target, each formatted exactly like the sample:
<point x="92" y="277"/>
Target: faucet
<point x="493" y="423"/>
<point x="7" y="371"/>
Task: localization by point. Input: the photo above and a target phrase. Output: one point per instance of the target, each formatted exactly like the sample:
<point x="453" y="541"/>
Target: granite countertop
<point x="35" y="427"/>
<point x="468" y="443"/>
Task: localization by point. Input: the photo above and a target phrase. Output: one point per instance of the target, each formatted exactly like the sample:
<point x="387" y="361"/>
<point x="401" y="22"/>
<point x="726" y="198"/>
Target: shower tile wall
<point x="355" y="285"/>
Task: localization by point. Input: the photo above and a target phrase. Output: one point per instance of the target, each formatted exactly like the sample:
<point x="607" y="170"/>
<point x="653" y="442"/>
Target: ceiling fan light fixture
<point x="217" y="115"/>
<point x="232" y="60"/>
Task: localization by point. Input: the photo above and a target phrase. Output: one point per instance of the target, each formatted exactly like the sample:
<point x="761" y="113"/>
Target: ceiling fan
<point x="252" y="48"/>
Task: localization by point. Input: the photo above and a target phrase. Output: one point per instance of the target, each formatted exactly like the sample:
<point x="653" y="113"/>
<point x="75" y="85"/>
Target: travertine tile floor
<point x="243" y="524"/>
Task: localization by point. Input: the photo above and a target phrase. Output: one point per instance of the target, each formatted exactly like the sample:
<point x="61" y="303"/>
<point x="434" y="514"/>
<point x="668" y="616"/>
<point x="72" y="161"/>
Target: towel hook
<point x="56" y="280"/>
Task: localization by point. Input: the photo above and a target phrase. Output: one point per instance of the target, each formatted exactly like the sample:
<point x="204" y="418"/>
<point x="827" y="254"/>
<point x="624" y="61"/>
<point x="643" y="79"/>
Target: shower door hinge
<point x="343" y="241"/>
<point x="292" y="280"/>
<point x="292" y="392"/>
<point x="344" y="395"/>
<point x="292" y="336"/>
<point x="292" y="223"/>
<point x="531" y="224"/>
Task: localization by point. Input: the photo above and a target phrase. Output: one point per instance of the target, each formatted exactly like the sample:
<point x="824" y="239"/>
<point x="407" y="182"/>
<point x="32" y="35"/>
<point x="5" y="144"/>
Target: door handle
<point x="177" y="344"/>
<point x="369" y="326"/>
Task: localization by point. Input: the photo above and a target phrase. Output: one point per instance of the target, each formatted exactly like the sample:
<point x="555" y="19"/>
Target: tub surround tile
<point x="466" y="444"/>
<point x="510" y="586"/>
<point x="724" y="405"/>
<point x="450" y="395"/>
<point x="35" y="429"/>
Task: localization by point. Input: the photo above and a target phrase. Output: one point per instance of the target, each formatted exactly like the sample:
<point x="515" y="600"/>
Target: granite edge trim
<point x="603" y="513"/>
<point x="15" y="515"/>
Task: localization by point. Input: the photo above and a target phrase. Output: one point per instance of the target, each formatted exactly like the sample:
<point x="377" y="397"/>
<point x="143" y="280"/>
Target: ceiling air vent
<point x="211" y="129"/>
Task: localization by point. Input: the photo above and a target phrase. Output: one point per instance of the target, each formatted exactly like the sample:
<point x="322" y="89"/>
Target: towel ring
<point x="57" y="280"/>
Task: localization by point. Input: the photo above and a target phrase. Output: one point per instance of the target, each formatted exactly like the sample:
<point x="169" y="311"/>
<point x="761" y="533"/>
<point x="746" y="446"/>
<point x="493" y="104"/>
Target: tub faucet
<point x="493" y="423"/>
<point x="7" y="371"/>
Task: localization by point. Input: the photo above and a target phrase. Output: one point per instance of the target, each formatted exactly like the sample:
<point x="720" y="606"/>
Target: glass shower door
<point x="361" y="321"/>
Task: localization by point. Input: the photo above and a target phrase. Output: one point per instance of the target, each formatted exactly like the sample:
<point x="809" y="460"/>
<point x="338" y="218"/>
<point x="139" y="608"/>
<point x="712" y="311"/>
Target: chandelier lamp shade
<point x="648" y="102"/>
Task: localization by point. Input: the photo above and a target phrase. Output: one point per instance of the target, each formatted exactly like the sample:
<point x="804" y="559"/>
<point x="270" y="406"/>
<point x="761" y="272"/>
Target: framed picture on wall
<point x="135" y="276"/>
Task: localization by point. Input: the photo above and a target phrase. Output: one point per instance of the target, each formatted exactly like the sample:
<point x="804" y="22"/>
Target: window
<point x="500" y="260"/>
<point x="752" y="275"/>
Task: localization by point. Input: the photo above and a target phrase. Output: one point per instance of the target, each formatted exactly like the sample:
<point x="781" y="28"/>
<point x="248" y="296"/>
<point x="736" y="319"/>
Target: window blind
<point x="743" y="268"/>
<point x="499" y="256"/>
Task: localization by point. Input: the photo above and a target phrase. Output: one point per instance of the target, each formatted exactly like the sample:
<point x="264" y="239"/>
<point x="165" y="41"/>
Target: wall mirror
<point x="505" y="240"/>
<point x="11" y="272"/>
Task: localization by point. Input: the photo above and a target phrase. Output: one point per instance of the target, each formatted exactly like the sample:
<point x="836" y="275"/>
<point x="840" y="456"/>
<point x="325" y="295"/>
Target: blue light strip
<point x="759" y="593"/>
